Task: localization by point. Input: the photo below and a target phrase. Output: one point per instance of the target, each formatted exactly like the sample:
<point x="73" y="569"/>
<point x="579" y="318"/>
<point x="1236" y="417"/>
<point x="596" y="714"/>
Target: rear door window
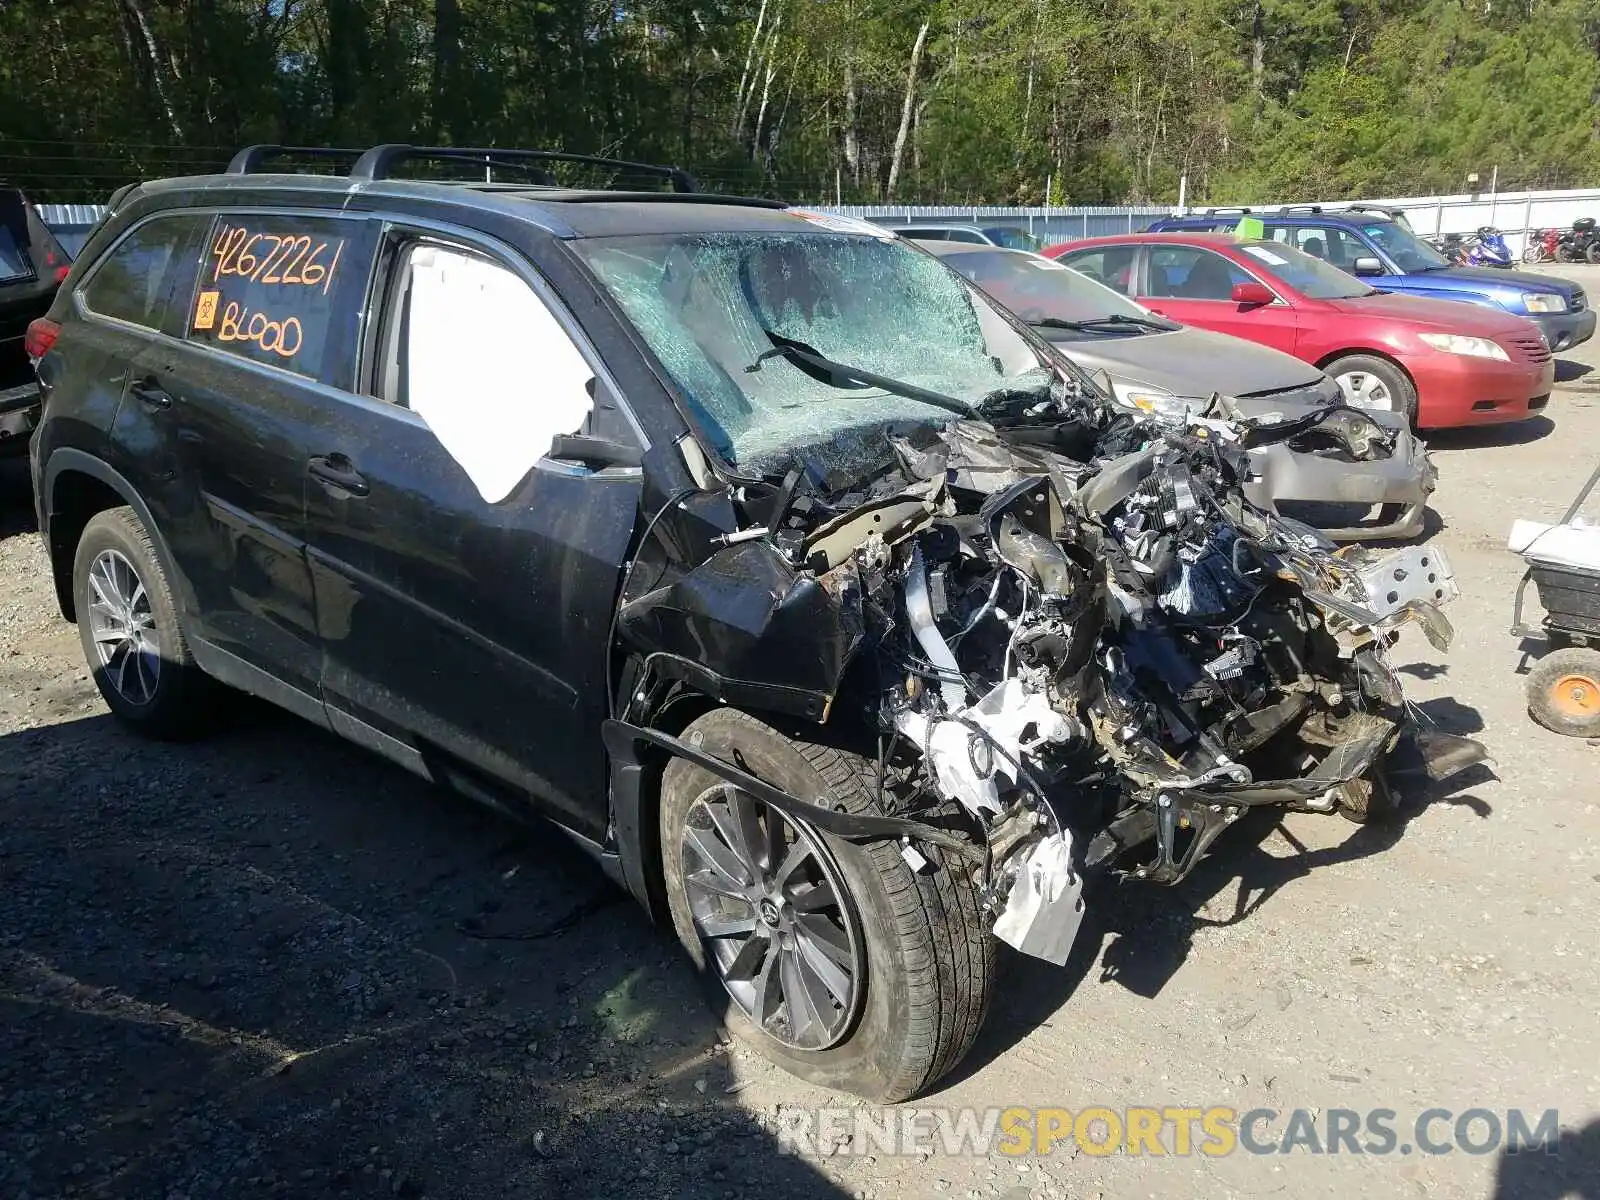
<point x="1331" y="244"/>
<point x="285" y="291"/>
<point x="1112" y="266"/>
<point x="1184" y="273"/>
<point x="138" y="279"/>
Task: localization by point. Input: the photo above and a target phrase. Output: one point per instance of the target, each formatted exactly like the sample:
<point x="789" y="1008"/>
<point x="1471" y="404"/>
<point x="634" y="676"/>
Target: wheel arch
<point x="1327" y="361"/>
<point x="636" y="787"/>
<point x="74" y="487"/>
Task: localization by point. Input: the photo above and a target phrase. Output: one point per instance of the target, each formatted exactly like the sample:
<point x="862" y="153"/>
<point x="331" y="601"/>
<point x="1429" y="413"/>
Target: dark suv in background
<point x="32" y="266"/>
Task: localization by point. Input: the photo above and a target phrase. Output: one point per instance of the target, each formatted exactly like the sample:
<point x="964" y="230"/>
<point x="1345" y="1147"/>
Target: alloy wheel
<point x="775" y="918"/>
<point x="123" y="627"/>
<point x="1362" y="389"/>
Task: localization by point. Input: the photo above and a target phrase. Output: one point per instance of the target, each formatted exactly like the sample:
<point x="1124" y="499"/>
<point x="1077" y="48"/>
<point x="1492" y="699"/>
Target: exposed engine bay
<point x="1072" y="630"/>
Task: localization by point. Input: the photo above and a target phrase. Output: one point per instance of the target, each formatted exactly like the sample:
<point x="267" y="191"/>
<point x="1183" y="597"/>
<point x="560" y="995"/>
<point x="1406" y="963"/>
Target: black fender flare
<point x="69" y="459"/>
<point x="626" y="746"/>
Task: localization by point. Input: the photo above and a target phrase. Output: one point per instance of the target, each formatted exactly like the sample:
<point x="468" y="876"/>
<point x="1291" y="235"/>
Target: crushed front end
<point x="1089" y="645"/>
<point x="1069" y="637"/>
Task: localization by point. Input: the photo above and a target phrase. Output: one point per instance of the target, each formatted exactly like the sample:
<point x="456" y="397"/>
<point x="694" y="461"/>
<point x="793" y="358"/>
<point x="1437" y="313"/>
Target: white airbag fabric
<point x="1045" y="906"/>
<point x="489" y="369"/>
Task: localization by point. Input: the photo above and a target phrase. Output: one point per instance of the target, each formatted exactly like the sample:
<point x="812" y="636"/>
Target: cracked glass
<point x="708" y="305"/>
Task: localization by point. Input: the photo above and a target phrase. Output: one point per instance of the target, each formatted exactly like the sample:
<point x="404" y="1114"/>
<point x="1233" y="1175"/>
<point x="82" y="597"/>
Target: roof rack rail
<point x="1301" y="208"/>
<point x="379" y="162"/>
<point x="1225" y="210"/>
<point x="249" y="160"/>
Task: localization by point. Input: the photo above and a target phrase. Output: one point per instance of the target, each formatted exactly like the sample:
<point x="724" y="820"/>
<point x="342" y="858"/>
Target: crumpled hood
<point x="1187" y="361"/>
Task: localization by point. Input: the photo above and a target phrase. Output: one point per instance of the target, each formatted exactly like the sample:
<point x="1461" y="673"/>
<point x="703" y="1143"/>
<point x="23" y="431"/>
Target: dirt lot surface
<point x="267" y="964"/>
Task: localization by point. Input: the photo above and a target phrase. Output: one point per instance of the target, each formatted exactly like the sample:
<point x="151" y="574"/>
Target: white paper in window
<point x="1265" y="255"/>
<point x="489" y="369"/>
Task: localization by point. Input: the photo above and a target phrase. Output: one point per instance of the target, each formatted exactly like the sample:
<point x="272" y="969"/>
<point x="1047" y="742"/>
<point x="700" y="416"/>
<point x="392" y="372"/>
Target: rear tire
<point x="1591" y="252"/>
<point x="925" y="955"/>
<point x="128" y="625"/>
<point x="1367" y="374"/>
<point x="1564" y="692"/>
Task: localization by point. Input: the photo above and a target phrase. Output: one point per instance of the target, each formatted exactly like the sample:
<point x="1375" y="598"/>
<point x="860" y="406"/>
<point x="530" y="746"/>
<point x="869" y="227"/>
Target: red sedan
<point x="1440" y="362"/>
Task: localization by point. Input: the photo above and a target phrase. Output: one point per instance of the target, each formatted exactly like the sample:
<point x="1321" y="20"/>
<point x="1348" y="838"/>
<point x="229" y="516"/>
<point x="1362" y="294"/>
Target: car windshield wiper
<point x="843" y="375"/>
<point x="1113" y="321"/>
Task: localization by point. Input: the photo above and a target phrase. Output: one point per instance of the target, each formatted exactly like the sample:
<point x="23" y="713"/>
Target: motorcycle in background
<point x="1543" y="245"/>
<point x="1448" y="244"/>
<point x="1580" y="243"/>
<point x="1486" y="248"/>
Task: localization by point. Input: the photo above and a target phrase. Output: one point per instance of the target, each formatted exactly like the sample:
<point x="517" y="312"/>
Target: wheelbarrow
<point x="1564" y="565"/>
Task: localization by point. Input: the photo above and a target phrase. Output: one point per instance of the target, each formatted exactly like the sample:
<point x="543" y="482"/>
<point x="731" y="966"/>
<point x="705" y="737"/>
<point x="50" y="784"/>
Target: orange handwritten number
<point x="227" y="242"/>
<point x="301" y="245"/>
<point x="263" y="273"/>
<point x="333" y="266"/>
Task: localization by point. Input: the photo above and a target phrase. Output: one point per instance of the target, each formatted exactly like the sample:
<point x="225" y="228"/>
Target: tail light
<point x="62" y="272"/>
<point x="41" y="336"/>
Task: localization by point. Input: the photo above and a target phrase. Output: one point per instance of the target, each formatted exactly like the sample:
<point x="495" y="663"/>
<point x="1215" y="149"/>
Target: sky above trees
<point x="960" y="101"/>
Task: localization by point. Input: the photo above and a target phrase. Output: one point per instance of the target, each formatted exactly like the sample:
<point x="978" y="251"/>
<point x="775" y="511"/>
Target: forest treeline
<point x="953" y="101"/>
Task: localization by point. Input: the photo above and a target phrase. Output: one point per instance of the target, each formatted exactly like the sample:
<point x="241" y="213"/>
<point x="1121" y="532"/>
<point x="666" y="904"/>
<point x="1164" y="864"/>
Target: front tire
<point x="833" y="958"/>
<point x="1371" y="382"/>
<point x="128" y="625"/>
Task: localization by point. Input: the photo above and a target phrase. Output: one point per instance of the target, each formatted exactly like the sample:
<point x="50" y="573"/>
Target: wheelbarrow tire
<point x="1564" y="692"/>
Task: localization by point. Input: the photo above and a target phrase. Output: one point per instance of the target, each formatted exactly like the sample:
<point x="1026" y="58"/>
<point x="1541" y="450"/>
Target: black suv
<point x="840" y="617"/>
<point x="32" y="265"/>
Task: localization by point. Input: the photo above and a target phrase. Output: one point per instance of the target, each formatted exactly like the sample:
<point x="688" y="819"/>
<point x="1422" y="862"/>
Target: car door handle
<point x="337" y="471"/>
<point x="149" y="392"/>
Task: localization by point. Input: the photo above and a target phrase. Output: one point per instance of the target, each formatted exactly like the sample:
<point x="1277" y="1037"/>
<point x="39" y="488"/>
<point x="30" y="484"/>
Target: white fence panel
<point x="1513" y="213"/>
<point x="1049" y="225"/>
<point x="67" y="215"/>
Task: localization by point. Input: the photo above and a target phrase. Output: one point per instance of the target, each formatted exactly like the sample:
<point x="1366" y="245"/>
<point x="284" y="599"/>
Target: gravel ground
<point x="268" y="964"/>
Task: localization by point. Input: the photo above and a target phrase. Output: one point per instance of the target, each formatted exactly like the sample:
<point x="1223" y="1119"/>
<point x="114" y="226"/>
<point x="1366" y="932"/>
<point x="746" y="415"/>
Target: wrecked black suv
<point x="838" y="615"/>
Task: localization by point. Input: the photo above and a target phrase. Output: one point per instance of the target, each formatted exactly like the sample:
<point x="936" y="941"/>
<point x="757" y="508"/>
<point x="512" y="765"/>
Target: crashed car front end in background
<point x="1334" y="466"/>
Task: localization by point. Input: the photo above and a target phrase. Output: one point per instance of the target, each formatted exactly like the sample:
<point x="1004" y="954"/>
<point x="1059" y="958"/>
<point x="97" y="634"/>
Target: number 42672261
<point x="270" y="258"/>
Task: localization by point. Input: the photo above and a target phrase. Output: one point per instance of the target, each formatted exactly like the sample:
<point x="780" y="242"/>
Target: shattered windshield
<point x="717" y="307"/>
